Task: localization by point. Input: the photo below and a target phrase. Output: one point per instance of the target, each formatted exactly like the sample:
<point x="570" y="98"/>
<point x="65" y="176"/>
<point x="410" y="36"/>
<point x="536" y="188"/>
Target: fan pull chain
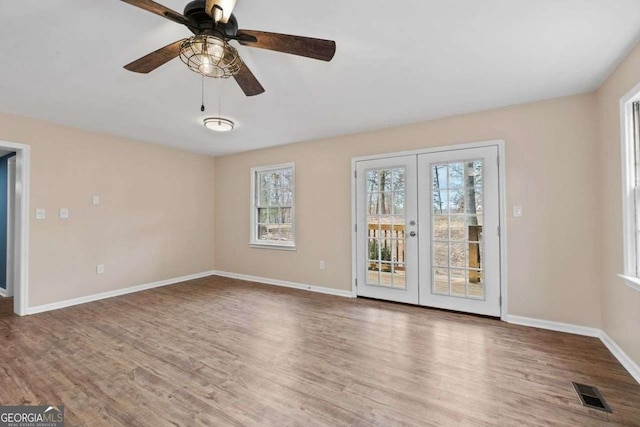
<point x="219" y="98"/>
<point x="202" y="106"/>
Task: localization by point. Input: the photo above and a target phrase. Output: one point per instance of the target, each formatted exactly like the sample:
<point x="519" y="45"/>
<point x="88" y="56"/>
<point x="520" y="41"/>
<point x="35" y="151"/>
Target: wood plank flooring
<point x="222" y="352"/>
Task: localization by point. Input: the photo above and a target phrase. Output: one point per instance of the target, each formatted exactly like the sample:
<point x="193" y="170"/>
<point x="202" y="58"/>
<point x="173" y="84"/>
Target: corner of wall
<point x="619" y="304"/>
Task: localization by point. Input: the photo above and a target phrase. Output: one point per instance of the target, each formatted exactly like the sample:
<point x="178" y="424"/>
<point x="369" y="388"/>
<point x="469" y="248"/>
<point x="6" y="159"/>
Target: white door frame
<point x="410" y="293"/>
<point x="11" y="224"/>
<point x="21" y="252"/>
<point x="502" y="211"/>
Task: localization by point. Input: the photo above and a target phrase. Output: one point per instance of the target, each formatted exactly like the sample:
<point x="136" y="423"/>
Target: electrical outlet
<point x="322" y="265"/>
<point x="96" y="199"/>
<point x="100" y="269"/>
<point x="64" y="213"/>
<point x="41" y="213"/>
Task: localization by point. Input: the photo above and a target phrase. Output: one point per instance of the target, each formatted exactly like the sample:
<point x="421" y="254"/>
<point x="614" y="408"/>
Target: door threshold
<point x="484" y="316"/>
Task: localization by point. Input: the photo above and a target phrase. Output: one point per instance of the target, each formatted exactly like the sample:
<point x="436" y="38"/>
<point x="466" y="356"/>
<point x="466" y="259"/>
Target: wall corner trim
<point x="115" y="293"/>
<point x="631" y="366"/>
<point x="283" y="283"/>
<point x="622" y="357"/>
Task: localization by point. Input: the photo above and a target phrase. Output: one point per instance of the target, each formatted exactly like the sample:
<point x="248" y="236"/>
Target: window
<point x="630" y="117"/>
<point x="272" y="213"/>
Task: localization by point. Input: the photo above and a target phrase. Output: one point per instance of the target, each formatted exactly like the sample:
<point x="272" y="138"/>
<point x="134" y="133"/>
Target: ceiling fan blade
<point x="225" y="9"/>
<point x="248" y="82"/>
<point x="159" y="9"/>
<point x="155" y="59"/>
<point x="295" y="45"/>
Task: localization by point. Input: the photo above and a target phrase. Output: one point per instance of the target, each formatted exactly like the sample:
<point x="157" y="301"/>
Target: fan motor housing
<point x="203" y="24"/>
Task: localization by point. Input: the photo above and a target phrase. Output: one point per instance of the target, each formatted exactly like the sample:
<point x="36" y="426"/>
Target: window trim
<point x="627" y="150"/>
<point x="261" y="244"/>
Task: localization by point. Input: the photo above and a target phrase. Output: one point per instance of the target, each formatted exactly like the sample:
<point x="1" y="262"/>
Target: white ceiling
<point x="62" y="61"/>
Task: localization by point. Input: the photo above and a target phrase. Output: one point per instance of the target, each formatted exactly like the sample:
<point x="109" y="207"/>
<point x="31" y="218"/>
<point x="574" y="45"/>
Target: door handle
<point x="412" y="234"/>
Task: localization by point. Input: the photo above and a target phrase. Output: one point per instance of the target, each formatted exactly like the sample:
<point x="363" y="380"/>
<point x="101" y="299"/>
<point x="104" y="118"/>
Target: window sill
<point x="279" y="247"/>
<point x="632" y="282"/>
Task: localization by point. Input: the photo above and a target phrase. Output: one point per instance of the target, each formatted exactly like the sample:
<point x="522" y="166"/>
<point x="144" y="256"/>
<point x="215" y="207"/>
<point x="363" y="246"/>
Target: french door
<point x="387" y="209"/>
<point x="428" y="229"/>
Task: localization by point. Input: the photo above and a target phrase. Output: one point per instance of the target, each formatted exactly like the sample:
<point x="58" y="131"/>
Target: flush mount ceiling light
<point x="210" y="56"/>
<point x="218" y="124"/>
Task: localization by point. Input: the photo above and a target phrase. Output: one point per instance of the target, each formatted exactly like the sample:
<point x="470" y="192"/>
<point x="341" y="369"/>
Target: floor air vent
<point x="591" y="397"/>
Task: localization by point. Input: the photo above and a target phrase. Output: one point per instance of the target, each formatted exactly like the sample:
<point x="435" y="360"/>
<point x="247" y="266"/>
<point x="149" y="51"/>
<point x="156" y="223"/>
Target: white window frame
<point x="266" y="244"/>
<point x="630" y="189"/>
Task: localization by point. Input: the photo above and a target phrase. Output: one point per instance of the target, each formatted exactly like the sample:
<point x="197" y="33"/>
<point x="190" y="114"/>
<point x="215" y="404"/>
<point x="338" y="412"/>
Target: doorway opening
<point x="14" y="223"/>
<point x="7" y="221"/>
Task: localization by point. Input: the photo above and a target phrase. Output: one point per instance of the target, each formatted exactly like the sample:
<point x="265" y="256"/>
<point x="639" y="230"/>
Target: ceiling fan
<point x="208" y="51"/>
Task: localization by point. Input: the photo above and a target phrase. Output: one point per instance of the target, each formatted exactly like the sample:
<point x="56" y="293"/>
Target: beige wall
<point x="620" y="304"/>
<point x="155" y="220"/>
<point x="552" y="160"/>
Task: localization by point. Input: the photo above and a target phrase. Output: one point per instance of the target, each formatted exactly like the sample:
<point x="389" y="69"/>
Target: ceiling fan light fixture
<point x="218" y="124"/>
<point x="210" y="56"/>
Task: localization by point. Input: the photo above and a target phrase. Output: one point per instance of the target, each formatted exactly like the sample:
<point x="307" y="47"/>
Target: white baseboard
<point x="3" y="293"/>
<point x="117" y="292"/>
<point x="294" y="285"/>
<point x="622" y="357"/>
<point x="618" y="353"/>
<point x="554" y="326"/>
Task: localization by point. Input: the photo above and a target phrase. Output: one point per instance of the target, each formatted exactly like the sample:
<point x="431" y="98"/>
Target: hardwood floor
<point x="219" y="352"/>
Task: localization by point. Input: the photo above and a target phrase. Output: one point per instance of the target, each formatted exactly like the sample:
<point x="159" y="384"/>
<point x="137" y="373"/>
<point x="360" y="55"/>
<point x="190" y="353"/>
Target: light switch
<point x="517" y="211"/>
<point x="96" y="199"/>
<point x="64" y="213"/>
<point x="41" y="213"/>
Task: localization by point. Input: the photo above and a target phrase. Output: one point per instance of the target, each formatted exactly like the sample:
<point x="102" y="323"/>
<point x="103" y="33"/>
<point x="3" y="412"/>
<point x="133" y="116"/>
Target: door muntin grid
<point x="457" y="244"/>
<point x="386" y="219"/>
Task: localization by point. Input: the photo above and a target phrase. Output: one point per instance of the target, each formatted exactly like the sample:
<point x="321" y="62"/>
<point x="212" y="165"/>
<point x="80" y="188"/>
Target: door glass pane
<point x="456" y="175"/>
<point x="475" y="197"/>
<point x="386" y="177"/>
<point x="441" y="227"/>
<point x="440" y="281"/>
<point x="399" y="276"/>
<point x="440" y="202"/>
<point x="458" y="282"/>
<point x="398" y="180"/>
<point x="441" y="254"/>
<point x="372" y="181"/>
<point x="458" y="255"/>
<point x="456" y="234"/>
<point x="456" y="201"/>
<point x="386" y="196"/>
<point x="398" y="202"/>
<point x="372" y="203"/>
<point x="458" y="227"/>
<point x="439" y="176"/>
<point x="475" y="284"/>
<point x="373" y="274"/>
<point x="474" y="174"/>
